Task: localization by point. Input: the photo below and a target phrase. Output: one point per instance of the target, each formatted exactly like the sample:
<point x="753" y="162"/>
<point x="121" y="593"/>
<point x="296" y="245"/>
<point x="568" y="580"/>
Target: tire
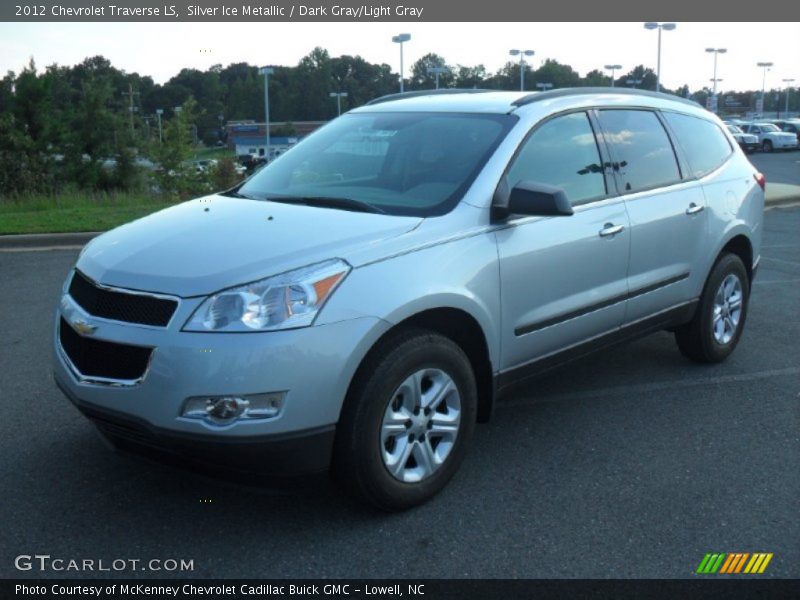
<point x="767" y="146"/>
<point x="378" y="427"/>
<point x="706" y="338"/>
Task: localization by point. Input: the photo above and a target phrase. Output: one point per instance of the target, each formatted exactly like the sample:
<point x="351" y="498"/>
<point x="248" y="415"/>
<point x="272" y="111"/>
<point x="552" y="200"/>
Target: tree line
<point x="87" y="125"/>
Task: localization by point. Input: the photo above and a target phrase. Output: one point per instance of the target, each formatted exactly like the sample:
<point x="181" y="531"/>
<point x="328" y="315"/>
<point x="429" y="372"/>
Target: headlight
<point x="284" y="301"/>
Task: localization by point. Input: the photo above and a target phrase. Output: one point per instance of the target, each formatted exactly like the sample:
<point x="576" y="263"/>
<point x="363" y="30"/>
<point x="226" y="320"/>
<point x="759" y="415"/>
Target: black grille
<point x="96" y="358"/>
<point x="120" y="306"/>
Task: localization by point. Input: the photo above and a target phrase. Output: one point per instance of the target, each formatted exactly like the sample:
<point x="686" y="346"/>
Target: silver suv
<point x="361" y="302"/>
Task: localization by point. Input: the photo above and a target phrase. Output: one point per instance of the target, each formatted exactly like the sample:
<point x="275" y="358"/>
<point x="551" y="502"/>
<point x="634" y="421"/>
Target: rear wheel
<point x="713" y="333"/>
<point x="407" y="421"/>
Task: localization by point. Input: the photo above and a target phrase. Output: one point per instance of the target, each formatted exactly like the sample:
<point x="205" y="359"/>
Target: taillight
<point x="760" y="180"/>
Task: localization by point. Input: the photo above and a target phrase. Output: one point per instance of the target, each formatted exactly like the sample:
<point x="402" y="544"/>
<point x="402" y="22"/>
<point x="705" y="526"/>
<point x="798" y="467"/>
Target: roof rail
<point x="576" y="91"/>
<point x="418" y="93"/>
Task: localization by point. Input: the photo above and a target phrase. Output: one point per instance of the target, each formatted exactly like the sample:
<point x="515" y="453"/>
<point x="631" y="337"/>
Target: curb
<point x="44" y="240"/>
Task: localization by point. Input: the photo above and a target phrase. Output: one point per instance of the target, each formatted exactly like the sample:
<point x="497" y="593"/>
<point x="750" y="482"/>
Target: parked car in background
<point x="771" y="137"/>
<point x="747" y="141"/>
<point x="360" y="302"/>
<point x="789" y="126"/>
<point x="204" y="164"/>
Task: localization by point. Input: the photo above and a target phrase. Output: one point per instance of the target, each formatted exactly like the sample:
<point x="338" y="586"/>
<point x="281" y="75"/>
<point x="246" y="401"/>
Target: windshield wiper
<point x="236" y="194"/>
<point x="331" y="202"/>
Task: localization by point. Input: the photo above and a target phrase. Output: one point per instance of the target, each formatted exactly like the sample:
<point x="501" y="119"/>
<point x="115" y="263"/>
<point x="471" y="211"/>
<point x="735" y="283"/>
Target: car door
<point x="666" y="208"/>
<point x="563" y="279"/>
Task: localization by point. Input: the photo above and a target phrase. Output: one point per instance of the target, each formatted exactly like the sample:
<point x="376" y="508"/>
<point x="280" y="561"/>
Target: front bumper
<point x="313" y="366"/>
<point x="278" y="455"/>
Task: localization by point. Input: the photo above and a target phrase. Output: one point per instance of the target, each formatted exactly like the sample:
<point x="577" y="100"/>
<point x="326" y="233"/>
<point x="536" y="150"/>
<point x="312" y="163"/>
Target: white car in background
<point x="747" y="141"/>
<point x="771" y="137"/>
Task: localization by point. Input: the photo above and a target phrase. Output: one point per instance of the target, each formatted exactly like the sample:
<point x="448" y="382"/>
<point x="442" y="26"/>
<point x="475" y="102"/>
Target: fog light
<point x="223" y="410"/>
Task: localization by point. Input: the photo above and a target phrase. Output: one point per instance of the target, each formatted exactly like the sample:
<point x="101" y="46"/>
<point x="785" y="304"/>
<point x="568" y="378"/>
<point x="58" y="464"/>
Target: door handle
<point x="694" y="209"/>
<point x="610" y="229"/>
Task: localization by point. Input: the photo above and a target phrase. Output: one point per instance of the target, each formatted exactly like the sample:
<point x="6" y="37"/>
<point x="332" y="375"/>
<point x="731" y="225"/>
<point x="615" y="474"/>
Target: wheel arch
<point x="465" y="330"/>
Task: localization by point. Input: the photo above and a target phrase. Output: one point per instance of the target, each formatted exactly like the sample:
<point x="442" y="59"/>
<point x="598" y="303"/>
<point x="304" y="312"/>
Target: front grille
<point x="120" y="306"/>
<point x="96" y="358"/>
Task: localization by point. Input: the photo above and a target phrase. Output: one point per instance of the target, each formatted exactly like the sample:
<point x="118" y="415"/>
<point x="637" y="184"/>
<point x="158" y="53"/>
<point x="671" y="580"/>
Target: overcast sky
<point x="162" y="49"/>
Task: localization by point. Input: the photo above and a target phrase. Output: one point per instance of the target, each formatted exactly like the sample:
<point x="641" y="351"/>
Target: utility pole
<point x="130" y="94"/>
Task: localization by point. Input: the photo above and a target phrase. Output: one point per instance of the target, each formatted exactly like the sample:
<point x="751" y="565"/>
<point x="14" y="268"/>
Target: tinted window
<point x="403" y="163"/>
<point x="705" y="145"/>
<point x="643" y="154"/>
<point x="562" y="152"/>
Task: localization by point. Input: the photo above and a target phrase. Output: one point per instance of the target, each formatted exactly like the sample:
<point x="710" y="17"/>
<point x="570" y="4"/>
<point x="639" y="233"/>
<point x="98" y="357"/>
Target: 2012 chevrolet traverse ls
<point x="360" y="302"/>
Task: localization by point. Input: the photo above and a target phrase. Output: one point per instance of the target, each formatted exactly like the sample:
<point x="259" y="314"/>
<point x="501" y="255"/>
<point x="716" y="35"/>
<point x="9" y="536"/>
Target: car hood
<point x="204" y="245"/>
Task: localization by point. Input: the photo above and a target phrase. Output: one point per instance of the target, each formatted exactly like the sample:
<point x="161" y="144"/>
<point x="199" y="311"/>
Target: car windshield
<point x="769" y="127"/>
<point x="396" y="163"/>
<point x="734" y="129"/>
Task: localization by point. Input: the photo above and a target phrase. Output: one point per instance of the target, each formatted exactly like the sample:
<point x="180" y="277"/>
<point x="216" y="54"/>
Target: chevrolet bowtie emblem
<point x="83" y="327"/>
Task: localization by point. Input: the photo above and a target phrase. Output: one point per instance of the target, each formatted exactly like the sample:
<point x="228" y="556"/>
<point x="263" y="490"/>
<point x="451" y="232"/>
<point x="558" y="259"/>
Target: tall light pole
<point x="522" y="54"/>
<point x="717" y="52"/>
<point x="266" y="72"/>
<point x="159" y="112"/>
<point x="766" y="66"/>
<point x="400" y="39"/>
<point x="338" y="96"/>
<point x="788" y="83"/>
<point x="437" y="71"/>
<point x="613" y="69"/>
<point x="660" y="27"/>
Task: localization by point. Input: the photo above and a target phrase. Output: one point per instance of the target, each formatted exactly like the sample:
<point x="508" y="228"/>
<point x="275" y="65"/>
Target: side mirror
<point x="535" y="199"/>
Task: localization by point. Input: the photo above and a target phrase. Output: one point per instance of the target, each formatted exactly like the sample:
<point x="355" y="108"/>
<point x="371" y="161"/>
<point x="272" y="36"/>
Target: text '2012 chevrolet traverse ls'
<point x="360" y="302"/>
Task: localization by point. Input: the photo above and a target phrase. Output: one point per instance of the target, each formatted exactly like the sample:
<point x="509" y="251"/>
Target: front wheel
<point x="717" y="325"/>
<point x="767" y="146"/>
<point x="407" y="421"/>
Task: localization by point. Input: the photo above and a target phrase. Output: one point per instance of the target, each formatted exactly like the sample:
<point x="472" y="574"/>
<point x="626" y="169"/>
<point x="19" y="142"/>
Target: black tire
<point x="696" y="339"/>
<point x="358" y="463"/>
<point x="767" y="146"/>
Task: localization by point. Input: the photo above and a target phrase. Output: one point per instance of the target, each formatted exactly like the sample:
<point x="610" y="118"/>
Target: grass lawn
<point x="73" y="212"/>
<point x="217" y="153"/>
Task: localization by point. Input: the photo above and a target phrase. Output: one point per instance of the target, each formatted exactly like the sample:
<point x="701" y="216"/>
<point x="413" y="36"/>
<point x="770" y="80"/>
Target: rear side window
<point x="705" y="145"/>
<point x="643" y="154"/>
<point x="562" y="152"/>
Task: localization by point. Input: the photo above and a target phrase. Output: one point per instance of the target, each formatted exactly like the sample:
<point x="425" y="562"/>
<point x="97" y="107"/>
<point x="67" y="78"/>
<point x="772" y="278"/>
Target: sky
<point x="162" y="49"/>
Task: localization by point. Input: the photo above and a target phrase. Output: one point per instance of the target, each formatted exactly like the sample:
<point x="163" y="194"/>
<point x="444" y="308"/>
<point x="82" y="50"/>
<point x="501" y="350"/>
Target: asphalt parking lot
<point x="632" y="463"/>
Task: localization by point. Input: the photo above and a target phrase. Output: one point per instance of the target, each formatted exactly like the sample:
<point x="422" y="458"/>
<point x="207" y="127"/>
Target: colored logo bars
<point x="734" y="562"/>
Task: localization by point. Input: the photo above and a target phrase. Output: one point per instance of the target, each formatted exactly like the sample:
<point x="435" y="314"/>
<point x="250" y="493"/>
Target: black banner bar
<point x="392" y="11"/>
<point x="709" y="588"/>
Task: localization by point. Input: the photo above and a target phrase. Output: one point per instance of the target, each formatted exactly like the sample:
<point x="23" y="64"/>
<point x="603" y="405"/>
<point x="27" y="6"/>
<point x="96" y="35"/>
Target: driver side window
<point x="562" y="152"/>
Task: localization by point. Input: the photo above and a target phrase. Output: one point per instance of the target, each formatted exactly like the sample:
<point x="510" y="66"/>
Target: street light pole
<point x="400" y="39"/>
<point x="717" y="52"/>
<point x="788" y="83"/>
<point x="338" y="96"/>
<point x="266" y="72"/>
<point x="766" y="66"/>
<point x="159" y="112"/>
<point x="522" y="54"/>
<point x="613" y="69"/>
<point x="665" y="27"/>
